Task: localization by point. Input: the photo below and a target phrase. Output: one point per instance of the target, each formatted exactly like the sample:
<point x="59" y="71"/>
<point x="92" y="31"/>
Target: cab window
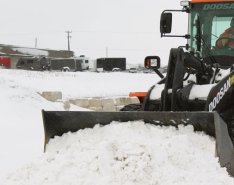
<point x="219" y="25"/>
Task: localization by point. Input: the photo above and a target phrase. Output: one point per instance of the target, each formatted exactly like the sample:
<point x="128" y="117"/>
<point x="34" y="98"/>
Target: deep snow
<point x="129" y="153"/>
<point x="21" y="133"/>
<point x="126" y="153"/>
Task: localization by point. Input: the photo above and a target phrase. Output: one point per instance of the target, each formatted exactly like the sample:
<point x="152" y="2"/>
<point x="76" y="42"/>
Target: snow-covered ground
<point x="21" y="127"/>
<point x="129" y="153"/>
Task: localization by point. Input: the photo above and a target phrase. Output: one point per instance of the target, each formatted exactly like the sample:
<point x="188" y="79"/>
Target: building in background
<point x="16" y="52"/>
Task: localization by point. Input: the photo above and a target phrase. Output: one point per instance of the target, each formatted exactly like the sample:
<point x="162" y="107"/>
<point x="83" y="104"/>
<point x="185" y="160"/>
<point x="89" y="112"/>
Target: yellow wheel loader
<point x="197" y="90"/>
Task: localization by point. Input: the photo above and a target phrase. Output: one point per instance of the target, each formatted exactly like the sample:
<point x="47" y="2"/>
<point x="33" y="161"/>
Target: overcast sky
<point x="117" y="28"/>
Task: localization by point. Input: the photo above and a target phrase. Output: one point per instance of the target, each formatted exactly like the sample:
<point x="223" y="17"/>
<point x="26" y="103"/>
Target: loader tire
<point x="231" y="130"/>
<point x="132" y="107"/>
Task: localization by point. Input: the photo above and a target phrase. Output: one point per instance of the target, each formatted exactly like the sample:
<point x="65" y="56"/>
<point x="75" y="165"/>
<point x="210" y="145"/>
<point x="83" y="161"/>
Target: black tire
<point x="228" y="117"/>
<point x="65" y="69"/>
<point x="231" y="129"/>
<point x="132" y="107"/>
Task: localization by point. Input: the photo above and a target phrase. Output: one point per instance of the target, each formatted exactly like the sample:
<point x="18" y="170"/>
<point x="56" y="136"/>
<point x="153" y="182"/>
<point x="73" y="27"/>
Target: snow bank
<point x="82" y="84"/>
<point x="21" y="125"/>
<point x="130" y="153"/>
<point x="126" y="153"/>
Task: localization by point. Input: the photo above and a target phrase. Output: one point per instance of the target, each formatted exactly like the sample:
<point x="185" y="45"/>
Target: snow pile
<point x="21" y="125"/>
<point x="126" y="153"/>
<point x="129" y="153"/>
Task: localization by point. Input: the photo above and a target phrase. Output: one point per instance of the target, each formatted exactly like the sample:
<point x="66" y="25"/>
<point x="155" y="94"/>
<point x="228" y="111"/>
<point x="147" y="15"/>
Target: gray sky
<point x="128" y="28"/>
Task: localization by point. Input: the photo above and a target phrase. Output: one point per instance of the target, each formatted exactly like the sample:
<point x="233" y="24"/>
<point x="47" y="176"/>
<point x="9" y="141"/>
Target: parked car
<point x="116" y="69"/>
<point x="132" y="70"/>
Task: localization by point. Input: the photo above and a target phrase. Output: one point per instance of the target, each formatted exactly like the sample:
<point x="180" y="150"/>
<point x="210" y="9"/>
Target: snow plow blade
<point x="57" y="123"/>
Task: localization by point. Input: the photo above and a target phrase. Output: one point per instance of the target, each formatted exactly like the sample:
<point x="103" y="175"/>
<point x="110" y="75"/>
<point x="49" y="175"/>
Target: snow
<point x="84" y="84"/>
<point x="31" y="51"/>
<point x="126" y="153"/>
<point x="196" y="92"/>
<point x="21" y="133"/>
<point x="156" y="92"/>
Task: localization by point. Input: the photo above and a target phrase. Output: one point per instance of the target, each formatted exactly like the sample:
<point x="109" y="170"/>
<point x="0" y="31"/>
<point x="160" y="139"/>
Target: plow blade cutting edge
<point x="57" y="123"/>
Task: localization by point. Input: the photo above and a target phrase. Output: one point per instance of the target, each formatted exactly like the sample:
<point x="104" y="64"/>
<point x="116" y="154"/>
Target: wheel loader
<point x="198" y="88"/>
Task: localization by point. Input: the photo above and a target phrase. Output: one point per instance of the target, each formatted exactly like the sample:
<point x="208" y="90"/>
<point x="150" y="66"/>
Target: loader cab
<point x="207" y="21"/>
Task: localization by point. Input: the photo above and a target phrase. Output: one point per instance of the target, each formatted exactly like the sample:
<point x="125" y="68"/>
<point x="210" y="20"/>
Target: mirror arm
<point x="158" y="73"/>
<point x="187" y="36"/>
<point x="183" y="10"/>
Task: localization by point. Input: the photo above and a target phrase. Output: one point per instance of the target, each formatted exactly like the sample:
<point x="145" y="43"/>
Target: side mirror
<point x="165" y="23"/>
<point x="152" y="62"/>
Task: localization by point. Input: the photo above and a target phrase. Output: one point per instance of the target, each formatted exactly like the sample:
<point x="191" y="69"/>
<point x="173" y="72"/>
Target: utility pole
<point x="107" y="52"/>
<point x="36" y="42"/>
<point x="68" y="39"/>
